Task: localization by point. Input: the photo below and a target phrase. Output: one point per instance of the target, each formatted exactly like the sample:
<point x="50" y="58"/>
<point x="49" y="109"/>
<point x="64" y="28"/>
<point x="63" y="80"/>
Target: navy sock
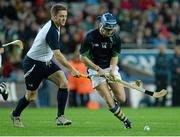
<point x="62" y="96"/>
<point x="118" y="112"/>
<point x="22" y="104"/>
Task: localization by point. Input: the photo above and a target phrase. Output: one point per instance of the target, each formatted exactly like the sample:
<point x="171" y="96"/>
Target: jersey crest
<point x="104" y="45"/>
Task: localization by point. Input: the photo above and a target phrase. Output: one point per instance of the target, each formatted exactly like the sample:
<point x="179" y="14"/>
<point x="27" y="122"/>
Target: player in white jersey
<point x="39" y="64"/>
<point x="3" y="90"/>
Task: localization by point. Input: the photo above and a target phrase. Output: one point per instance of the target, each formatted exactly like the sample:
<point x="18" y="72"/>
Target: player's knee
<point x="121" y="99"/>
<point x="110" y="105"/>
<point x="31" y="96"/>
<point x="63" y="84"/>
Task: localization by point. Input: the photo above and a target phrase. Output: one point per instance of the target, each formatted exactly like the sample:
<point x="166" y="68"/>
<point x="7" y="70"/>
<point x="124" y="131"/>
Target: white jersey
<point x="47" y="39"/>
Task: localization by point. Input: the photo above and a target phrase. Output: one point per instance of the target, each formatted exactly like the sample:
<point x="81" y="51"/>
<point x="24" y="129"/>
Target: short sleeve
<point x="116" y="45"/>
<point x="85" y="46"/>
<point x="53" y="39"/>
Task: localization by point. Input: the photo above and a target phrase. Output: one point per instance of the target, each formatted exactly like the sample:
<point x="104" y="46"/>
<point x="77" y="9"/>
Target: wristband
<point x="97" y="69"/>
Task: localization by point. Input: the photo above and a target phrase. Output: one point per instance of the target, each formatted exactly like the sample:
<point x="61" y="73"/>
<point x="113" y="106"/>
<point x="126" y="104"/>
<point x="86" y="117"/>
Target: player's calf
<point x="121" y="116"/>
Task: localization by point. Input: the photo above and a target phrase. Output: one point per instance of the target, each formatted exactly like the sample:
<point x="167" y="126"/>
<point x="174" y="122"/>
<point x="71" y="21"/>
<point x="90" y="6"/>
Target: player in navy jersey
<point x="40" y="63"/>
<point x="99" y="51"/>
<point x="3" y="90"/>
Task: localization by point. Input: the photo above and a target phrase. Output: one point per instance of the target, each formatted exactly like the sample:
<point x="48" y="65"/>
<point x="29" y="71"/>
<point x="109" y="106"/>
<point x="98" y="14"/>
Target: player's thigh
<point x="103" y="90"/>
<point x="59" y="79"/>
<point x="33" y="73"/>
<point x="118" y="90"/>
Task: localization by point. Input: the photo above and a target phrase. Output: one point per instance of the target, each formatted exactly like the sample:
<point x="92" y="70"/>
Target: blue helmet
<point x="108" y="21"/>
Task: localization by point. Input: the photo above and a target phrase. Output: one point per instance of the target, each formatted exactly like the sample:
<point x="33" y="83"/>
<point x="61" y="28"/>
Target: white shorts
<point x="97" y="80"/>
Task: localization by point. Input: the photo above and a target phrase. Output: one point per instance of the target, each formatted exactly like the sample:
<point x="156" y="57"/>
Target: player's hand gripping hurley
<point x="136" y="85"/>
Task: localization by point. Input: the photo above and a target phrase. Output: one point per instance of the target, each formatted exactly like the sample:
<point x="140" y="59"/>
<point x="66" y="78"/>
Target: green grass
<point x="162" y="121"/>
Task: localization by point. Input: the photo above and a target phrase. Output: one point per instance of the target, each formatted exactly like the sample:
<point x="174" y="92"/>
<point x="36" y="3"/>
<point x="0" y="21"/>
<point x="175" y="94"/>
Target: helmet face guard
<point x="108" y="22"/>
<point x="109" y="26"/>
<point x="107" y="32"/>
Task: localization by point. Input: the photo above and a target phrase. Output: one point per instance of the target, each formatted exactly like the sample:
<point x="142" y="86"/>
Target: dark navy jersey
<point x="100" y="49"/>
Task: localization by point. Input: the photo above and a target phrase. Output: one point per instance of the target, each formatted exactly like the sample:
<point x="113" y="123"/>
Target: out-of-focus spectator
<point x="10" y="10"/>
<point x="12" y="63"/>
<point x="40" y="3"/>
<point x="44" y="94"/>
<point x="41" y="15"/>
<point x="68" y="45"/>
<point x="161" y="72"/>
<point x="125" y="38"/>
<point x="178" y="40"/>
<point x="160" y="40"/>
<point x="92" y="2"/>
<point x="174" y="26"/>
<point x="80" y="88"/>
<point x="147" y="35"/>
<point x="89" y="22"/>
<point x="145" y="4"/>
<point x="139" y="38"/>
<point x="175" y="76"/>
<point x="160" y="27"/>
<point x="126" y="24"/>
<point x="151" y="17"/>
<point x="126" y="4"/>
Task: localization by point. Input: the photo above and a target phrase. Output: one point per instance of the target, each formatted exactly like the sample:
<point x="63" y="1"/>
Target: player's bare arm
<point x="60" y="57"/>
<point x="113" y="64"/>
<point x="1" y="50"/>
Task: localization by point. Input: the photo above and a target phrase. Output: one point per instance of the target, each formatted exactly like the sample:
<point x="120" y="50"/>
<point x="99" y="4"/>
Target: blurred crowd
<point x="153" y="22"/>
<point x="143" y="23"/>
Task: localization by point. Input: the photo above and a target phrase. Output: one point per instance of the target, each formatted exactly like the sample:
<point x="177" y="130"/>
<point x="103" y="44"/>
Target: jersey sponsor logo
<point x="95" y="44"/>
<point x="104" y="45"/>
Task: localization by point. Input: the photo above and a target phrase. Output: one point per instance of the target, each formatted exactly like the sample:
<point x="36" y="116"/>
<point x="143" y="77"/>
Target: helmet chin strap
<point x="101" y="30"/>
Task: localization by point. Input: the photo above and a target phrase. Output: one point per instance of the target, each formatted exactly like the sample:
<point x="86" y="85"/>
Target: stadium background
<point x="143" y="26"/>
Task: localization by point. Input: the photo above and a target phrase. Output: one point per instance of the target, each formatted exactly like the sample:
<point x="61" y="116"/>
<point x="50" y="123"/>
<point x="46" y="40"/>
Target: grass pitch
<point x="41" y="122"/>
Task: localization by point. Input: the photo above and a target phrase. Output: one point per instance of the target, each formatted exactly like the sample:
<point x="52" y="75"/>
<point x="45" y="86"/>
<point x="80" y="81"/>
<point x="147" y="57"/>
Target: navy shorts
<point x="35" y="71"/>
